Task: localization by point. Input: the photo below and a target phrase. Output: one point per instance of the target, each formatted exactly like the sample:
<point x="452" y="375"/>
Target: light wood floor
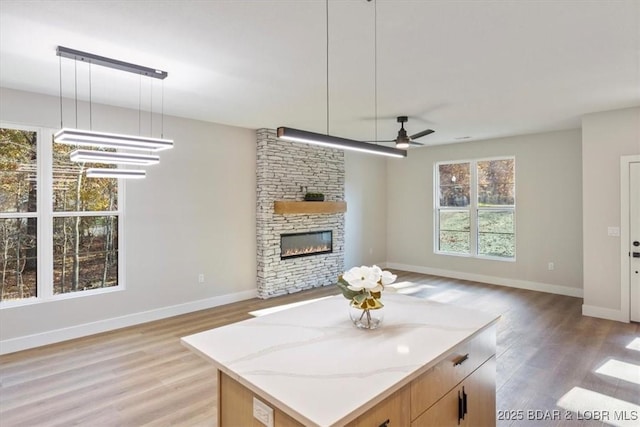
<point x="143" y="376"/>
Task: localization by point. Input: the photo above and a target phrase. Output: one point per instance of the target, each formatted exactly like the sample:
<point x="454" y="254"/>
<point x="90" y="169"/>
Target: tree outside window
<point x="18" y="214"/>
<point x="79" y="223"/>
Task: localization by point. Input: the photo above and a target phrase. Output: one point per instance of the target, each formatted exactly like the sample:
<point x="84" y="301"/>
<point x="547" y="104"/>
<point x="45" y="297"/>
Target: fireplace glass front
<point x="305" y="244"/>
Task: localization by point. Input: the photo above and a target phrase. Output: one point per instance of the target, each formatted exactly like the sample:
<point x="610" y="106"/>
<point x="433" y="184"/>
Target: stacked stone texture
<point x="286" y="171"/>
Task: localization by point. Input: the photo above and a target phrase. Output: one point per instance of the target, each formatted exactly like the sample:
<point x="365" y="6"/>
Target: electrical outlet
<point x="613" y="231"/>
<point x="262" y="412"/>
<point x="551" y="266"/>
<point x="201" y="278"/>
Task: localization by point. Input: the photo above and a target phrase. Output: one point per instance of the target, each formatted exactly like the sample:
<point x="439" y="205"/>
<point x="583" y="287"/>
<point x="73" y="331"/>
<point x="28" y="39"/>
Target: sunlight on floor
<point x="258" y="313"/>
<point x="621" y="370"/>
<point x="407" y="288"/>
<point x="635" y="344"/>
<point x="448" y="296"/>
<point x="588" y="405"/>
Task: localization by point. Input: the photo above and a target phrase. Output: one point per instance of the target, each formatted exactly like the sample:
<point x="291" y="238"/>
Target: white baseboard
<point x="603" y="313"/>
<point x="36" y="340"/>
<point x="502" y="281"/>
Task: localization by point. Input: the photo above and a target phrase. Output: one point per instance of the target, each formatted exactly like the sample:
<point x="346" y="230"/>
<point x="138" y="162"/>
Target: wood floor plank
<point x="143" y="376"/>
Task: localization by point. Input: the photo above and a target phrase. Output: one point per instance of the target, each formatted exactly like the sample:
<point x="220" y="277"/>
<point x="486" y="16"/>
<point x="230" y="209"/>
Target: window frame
<point x="473" y="208"/>
<point x="45" y="215"/>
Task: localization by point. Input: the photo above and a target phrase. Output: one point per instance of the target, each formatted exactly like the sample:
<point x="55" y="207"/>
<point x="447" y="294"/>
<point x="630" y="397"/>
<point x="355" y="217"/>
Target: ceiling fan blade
<point x="416" y="143"/>
<point x="390" y="140"/>
<point x="421" y="134"/>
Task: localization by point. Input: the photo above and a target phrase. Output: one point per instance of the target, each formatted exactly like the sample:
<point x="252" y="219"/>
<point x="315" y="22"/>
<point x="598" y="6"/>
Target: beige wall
<point x="606" y="136"/>
<point x="194" y="213"/>
<point x="548" y="212"/>
<point x="366" y="218"/>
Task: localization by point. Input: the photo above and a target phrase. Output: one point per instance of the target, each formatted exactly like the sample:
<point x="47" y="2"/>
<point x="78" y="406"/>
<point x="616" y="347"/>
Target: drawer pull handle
<point x="384" y="424"/>
<point x="464" y="403"/>
<point x="461" y="360"/>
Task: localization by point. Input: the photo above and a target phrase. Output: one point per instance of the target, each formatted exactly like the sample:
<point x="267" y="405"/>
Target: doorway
<point x="630" y="237"/>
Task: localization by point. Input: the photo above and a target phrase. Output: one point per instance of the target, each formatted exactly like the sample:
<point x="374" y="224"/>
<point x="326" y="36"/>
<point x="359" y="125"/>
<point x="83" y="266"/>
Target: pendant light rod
<point x="110" y="63"/>
<point x="326" y="9"/>
<point x="296" y="135"/>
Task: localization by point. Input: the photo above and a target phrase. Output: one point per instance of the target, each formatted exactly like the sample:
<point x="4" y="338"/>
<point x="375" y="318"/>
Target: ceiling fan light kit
<point x="91" y="138"/>
<point x="403" y="141"/>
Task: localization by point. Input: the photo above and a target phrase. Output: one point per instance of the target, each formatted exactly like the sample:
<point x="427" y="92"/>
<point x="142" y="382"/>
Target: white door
<point x="634" y="239"/>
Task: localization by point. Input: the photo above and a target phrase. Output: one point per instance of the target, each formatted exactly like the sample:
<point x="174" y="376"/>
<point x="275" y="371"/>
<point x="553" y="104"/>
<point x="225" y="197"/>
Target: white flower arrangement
<point x="364" y="285"/>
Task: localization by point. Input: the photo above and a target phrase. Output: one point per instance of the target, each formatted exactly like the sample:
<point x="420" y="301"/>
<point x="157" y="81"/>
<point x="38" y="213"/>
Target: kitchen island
<point x="429" y="364"/>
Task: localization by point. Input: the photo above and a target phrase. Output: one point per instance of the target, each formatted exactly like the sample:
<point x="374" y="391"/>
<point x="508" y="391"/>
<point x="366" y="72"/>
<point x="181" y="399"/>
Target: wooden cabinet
<point x="392" y="412"/>
<point x="470" y="403"/>
<point x="429" y="387"/>
<point x="235" y="406"/>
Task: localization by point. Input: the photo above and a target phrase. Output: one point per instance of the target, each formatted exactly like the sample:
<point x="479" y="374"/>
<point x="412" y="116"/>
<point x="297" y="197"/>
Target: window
<point x="18" y="213"/>
<point x="475" y="208"/>
<point x="59" y="231"/>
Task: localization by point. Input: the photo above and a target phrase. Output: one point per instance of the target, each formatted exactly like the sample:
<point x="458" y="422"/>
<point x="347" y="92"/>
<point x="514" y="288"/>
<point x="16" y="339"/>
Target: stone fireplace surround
<point x="285" y="171"/>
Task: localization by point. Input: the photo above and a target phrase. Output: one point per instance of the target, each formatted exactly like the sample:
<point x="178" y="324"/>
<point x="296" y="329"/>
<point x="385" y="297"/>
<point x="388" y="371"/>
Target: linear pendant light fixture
<point x="107" y="157"/>
<point x="90" y="138"/>
<point x="116" y="173"/>
<point x="110" y="140"/>
<point x="296" y="135"/>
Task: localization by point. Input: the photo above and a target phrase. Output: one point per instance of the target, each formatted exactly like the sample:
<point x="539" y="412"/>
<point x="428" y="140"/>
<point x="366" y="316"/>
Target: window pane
<point x="454" y="232"/>
<point x="496" y="185"/>
<point x="18" y="171"/>
<point x="496" y="233"/>
<point x="454" y="184"/>
<point x="18" y="258"/>
<point x="85" y="253"/>
<point x="73" y="191"/>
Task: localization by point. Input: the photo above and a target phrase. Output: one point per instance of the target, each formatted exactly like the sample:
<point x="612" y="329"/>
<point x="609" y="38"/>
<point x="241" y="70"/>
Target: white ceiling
<point x="464" y="68"/>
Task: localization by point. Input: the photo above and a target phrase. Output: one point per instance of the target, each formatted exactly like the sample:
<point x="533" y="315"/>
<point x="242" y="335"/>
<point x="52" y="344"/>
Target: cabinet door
<point x="443" y="413"/>
<point x="480" y="388"/>
<point x="394" y="411"/>
<point x="472" y="403"/>
<point x="456" y="366"/>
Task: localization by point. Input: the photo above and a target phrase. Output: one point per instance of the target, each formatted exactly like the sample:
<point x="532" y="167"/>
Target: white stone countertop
<point x="313" y="364"/>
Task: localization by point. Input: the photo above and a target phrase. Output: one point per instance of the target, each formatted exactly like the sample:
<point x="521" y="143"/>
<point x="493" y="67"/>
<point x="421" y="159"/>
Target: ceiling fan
<point x="402" y="140"/>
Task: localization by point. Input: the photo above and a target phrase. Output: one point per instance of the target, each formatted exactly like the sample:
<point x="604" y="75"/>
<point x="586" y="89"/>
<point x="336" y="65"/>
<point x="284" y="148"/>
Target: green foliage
<point x="496" y="233"/>
<point x="17" y="170"/>
<point x="346" y="292"/>
<point x="362" y="299"/>
<point x="314" y="197"/>
<point x="94" y="194"/>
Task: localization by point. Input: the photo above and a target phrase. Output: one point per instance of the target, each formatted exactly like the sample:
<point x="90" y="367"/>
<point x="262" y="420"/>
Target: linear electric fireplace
<point x="305" y="244"/>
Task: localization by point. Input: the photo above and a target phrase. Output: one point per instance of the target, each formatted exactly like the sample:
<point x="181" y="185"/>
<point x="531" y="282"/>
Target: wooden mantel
<point x="286" y="207"/>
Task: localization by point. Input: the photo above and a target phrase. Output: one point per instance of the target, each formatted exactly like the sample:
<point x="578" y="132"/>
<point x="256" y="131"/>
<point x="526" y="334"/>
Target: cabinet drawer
<point x="472" y="403"/>
<point x="459" y="363"/>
